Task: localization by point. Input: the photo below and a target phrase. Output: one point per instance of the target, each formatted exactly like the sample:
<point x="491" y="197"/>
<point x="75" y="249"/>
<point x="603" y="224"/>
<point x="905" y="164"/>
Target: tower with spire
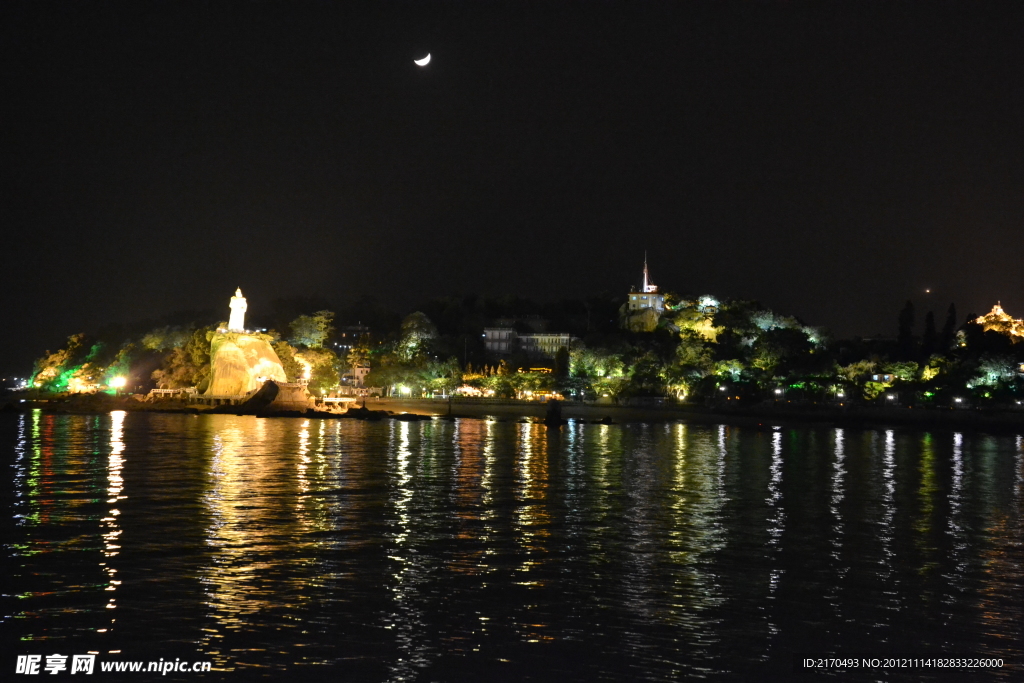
<point x="648" y="296"/>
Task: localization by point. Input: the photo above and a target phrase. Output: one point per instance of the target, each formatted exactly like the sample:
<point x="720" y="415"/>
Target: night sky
<point x="830" y="160"/>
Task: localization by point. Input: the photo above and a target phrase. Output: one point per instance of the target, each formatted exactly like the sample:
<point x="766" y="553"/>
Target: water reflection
<point x="469" y="474"/>
<point x="889" y="578"/>
<point x="409" y="572"/>
<point x="955" y="530"/>
<point x="927" y="493"/>
<point x="23" y="465"/>
<point x="111" y="528"/>
<point x="1002" y="550"/>
<point x="693" y="524"/>
<point x="64" y="491"/>
<point x="838" y="528"/>
<point x="776" y="523"/>
<point x="397" y="551"/>
<point x="251" y="503"/>
<point x="531" y="490"/>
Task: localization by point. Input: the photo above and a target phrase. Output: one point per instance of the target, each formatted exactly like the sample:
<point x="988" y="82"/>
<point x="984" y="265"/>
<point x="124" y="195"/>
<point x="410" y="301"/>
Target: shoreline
<point x="759" y="416"/>
<point x="862" y="417"/>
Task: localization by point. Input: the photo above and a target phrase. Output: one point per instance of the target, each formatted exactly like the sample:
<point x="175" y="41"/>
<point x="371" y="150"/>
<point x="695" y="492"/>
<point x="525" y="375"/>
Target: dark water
<point x="482" y="550"/>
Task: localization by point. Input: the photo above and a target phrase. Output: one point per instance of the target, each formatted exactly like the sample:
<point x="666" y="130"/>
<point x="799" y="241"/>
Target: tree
<point x="929" y="339"/>
<point x="948" y="330"/>
<point x="417" y="332"/>
<point x="322" y="366"/>
<point x="445" y="376"/>
<point x="311" y="331"/>
<point x="53" y="370"/>
<point x="187" y="365"/>
<point x="286" y="354"/>
<point x="359" y="355"/>
<point x="779" y="350"/>
<point x="166" y="338"/>
<point x="905" y="370"/>
<point x="905" y="337"/>
<point x="995" y="369"/>
<point x="323" y="377"/>
<point x="562" y="362"/>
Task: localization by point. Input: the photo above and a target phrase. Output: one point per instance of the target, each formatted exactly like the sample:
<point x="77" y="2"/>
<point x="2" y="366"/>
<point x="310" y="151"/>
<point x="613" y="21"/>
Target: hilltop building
<point x="999" y="320"/>
<point x="643" y="308"/>
<point x="648" y="297"/>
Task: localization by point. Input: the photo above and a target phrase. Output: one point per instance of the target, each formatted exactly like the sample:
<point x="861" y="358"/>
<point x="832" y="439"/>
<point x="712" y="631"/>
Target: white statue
<point x="238" y="306"/>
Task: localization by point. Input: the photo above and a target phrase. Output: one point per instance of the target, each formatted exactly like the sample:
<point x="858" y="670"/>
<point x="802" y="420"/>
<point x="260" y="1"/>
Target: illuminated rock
<point x="645" y="320"/>
<point x="240" y="363"/>
<point x="997" y="319"/>
<point x="273" y="397"/>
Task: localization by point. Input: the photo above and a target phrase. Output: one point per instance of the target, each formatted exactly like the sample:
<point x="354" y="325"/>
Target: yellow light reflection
<point x="531" y="517"/>
<point x="253" y="501"/>
<point x="115" y="487"/>
<point x="926" y="494"/>
<point x="693" y="509"/>
<point x="469" y="492"/>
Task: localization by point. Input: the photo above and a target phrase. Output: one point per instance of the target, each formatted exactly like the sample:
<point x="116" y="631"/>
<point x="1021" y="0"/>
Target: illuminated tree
<point x="323" y="368"/>
<point x="417" y="333"/>
<point x="166" y="338"/>
<point x="856" y="371"/>
<point x="994" y="370"/>
<point x="693" y="355"/>
<point x="359" y="356"/>
<point x="445" y="376"/>
<point x="187" y="365"/>
<point x="781" y="350"/>
<point x="646" y="375"/>
<point x="286" y="354"/>
<point x="323" y="377"/>
<point x="902" y="370"/>
<point x="53" y="370"/>
<point x="311" y="331"/>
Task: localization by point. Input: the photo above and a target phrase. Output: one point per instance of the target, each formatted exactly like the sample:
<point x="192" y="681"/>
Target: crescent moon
<point x="422" y="62"/>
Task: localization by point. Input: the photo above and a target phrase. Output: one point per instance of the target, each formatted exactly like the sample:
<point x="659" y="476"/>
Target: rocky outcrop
<point x="240" y="363"/>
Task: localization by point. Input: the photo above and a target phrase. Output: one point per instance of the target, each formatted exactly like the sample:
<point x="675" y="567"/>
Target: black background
<point x="831" y="160"/>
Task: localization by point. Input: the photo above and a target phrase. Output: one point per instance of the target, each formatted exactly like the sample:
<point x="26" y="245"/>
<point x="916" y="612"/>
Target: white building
<point x="500" y="339"/>
<point x="505" y="340"/>
<point x="648" y="296"/>
<point x="545" y="344"/>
